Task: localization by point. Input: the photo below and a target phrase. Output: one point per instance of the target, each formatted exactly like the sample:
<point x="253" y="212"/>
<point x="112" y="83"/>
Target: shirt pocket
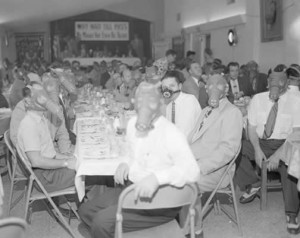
<point x="284" y="124"/>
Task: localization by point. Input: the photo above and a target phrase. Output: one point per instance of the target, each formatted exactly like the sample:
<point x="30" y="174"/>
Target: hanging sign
<point x="102" y="31"/>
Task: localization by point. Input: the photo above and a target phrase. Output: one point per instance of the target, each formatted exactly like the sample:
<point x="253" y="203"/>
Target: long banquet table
<point x="99" y="148"/>
<point x="90" y="61"/>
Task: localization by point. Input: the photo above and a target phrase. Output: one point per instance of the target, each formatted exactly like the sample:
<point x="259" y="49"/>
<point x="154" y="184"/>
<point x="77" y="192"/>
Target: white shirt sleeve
<point x="252" y="111"/>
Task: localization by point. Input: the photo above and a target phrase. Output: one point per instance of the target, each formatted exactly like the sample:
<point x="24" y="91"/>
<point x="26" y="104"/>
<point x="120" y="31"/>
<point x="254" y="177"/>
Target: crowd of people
<point x="187" y="128"/>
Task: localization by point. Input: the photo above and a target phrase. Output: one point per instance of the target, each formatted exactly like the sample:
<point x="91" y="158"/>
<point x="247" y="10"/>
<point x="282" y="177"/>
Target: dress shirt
<point x="288" y="115"/>
<point x="294" y="90"/>
<point x="187" y="113"/>
<point x="196" y="80"/>
<point x="234" y="83"/>
<point x="163" y="152"/>
<point x="34" y="135"/>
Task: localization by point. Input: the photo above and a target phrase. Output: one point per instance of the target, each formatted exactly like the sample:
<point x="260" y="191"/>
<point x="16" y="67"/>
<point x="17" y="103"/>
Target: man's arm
<point x="254" y="139"/>
<point x="37" y="161"/>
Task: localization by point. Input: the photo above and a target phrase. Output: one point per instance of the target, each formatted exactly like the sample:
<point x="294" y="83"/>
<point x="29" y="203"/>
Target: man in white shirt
<point x="272" y="117"/>
<point x="159" y="155"/>
<point x="182" y="109"/>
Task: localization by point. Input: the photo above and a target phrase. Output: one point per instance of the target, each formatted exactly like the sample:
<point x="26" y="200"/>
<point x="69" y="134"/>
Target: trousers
<point x="100" y="215"/>
<point x="246" y="175"/>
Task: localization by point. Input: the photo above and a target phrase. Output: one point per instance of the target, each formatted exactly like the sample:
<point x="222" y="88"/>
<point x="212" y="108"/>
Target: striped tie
<point x="173" y="112"/>
<point x="208" y="112"/>
<point x="270" y="124"/>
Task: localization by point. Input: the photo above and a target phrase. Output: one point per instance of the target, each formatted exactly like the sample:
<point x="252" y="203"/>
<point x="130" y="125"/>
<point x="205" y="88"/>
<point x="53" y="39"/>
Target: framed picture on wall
<point x="30" y="46"/>
<point x="271" y="20"/>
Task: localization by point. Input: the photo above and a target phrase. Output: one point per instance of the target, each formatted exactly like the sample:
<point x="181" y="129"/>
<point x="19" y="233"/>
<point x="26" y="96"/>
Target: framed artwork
<point x="271" y="20"/>
<point x="30" y="46"/>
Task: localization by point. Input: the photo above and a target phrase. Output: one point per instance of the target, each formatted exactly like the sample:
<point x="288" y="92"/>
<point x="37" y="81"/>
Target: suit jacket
<point x="261" y="83"/>
<point x="244" y="86"/>
<point x="217" y="142"/>
<point x="189" y="86"/>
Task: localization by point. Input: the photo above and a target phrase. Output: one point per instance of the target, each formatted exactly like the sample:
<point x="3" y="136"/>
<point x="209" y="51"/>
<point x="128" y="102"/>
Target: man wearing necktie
<point x="217" y="136"/>
<point x="272" y="117"/>
<point x="182" y="109"/>
<point x="238" y="86"/>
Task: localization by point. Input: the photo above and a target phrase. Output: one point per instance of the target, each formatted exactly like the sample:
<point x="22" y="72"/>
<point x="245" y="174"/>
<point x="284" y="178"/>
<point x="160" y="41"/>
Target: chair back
<point x="165" y="197"/>
<point x="12" y="160"/>
<point x="12" y="227"/>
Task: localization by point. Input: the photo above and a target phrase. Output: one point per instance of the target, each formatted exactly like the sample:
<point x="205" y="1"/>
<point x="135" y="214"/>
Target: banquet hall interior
<point x="96" y="94"/>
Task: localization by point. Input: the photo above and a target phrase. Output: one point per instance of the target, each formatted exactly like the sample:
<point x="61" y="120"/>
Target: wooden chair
<point x="166" y="197"/>
<point x="12" y="227"/>
<point x="266" y="185"/>
<point x="15" y="173"/>
<point x="229" y="190"/>
<point x="36" y="191"/>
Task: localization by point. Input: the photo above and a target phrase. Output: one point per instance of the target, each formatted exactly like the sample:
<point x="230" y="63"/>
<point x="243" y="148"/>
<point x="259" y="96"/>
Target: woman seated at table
<point x="125" y="91"/>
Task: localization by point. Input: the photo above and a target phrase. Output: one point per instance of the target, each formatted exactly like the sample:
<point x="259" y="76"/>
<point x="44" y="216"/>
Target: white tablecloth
<point x="90" y="61"/>
<point x="96" y="166"/>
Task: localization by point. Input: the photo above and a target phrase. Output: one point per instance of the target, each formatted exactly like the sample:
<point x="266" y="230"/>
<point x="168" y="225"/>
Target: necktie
<point x="173" y="112"/>
<point x="270" y="124"/>
<point x="208" y="112"/>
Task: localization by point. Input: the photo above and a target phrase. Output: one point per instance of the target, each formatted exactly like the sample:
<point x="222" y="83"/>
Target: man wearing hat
<point x="272" y="117"/>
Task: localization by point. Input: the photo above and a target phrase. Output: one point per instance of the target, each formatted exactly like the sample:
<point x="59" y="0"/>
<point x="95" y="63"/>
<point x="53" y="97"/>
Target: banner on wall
<point x="102" y="31"/>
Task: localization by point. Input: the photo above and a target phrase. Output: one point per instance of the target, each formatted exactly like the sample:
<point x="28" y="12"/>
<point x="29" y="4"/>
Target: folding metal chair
<point x="266" y="185"/>
<point x="36" y="191"/>
<point x="15" y="172"/>
<point x="12" y="227"/>
<point x="166" y="197"/>
<point x="229" y="190"/>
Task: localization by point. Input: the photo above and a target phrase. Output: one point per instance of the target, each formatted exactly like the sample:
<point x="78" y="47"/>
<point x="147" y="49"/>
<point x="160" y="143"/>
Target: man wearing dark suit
<point x="238" y="86"/>
<point x="193" y="85"/>
<point x="257" y="80"/>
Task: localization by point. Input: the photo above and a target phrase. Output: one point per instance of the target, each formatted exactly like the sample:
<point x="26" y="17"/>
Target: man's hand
<point x="259" y="156"/>
<point x="121" y="173"/>
<point x="274" y="160"/>
<point x="146" y="187"/>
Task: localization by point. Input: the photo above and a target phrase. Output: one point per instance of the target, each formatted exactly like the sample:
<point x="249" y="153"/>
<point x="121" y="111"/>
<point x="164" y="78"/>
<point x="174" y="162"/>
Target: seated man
<point x="272" y="116"/>
<point x="238" y="86"/>
<point x="218" y="135"/>
<point x="56" y="124"/>
<point x="182" y="109"/>
<point x="160" y="155"/>
<point x="194" y="85"/>
<point x="54" y="170"/>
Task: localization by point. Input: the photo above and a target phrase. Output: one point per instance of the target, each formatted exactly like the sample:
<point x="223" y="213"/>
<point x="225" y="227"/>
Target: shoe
<point x="293" y="226"/>
<point x="66" y="213"/>
<point x="249" y="195"/>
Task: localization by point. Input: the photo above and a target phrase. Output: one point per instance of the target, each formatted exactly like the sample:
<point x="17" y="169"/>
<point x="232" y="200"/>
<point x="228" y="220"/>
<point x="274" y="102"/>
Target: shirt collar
<point x="196" y="80"/>
<point x="293" y="88"/>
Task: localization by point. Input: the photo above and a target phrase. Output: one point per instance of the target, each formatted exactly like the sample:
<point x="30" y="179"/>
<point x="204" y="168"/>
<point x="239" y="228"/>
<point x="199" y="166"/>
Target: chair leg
<point x="235" y="207"/>
<point x="27" y="201"/>
<point x="12" y="183"/>
<point x="263" y="190"/>
<point x="61" y="218"/>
